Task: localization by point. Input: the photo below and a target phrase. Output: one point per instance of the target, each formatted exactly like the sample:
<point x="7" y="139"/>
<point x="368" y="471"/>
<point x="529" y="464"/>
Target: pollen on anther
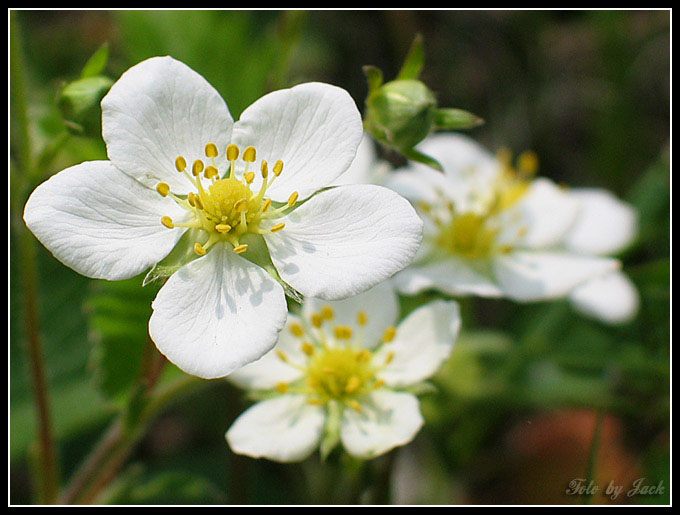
<point x="277" y="227"/>
<point x="240" y="205"/>
<point x="249" y="154"/>
<point x="167" y="221"/>
<point x="266" y="204"/>
<point x="223" y="228"/>
<point x="342" y="332"/>
<point x="197" y="167"/>
<point x="293" y="199"/>
<point x="232" y="152"/>
<point x="353" y="384"/>
<point x="282" y="387"/>
<point x="297" y="329"/>
<point x="180" y="164"/>
<point x="278" y="167"/>
<point x="362" y="318"/>
<point x="210" y="172"/>
<point x="264" y="169"/>
<point x="211" y="150"/>
<point x="389" y="334"/>
<point x="240" y="249"/>
<point x="307" y="348"/>
<point x="163" y="189"/>
<point x="282" y="356"/>
<point x="327" y="312"/>
<point x="198" y="249"/>
<point x="249" y="177"/>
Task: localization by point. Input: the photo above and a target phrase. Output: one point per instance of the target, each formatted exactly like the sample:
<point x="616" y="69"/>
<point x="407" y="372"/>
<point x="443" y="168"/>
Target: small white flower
<point x="604" y="226"/>
<point x="180" y="175"/>
<point x="491" y="230"/>
<point x="338" y="373"/>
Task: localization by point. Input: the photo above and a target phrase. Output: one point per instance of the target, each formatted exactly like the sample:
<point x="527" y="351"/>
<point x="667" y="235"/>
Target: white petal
<point x="101" y="222"/>
<point x="530" y="276"/>
<point x="387" y="420"/>
<point x="541" y="218"/>
<point x="363" y="169"/>
<point x="270" y="369"/>
<point x="313" y="128"/>
<point x="605" y="225"/>
<point x="451" y="275"/>
<point x="423" y="341"/>
<point x="345" y="240"/>
<point x="217" y="313"/>
<point x="285" y="428"/>
<point x="613" y="298"/>
<point x="158" y="110"/>
<point x="380" y="304"/>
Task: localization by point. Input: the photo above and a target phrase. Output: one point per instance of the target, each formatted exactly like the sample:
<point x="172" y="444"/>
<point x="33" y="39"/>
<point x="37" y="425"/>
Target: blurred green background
<point x="515" y="410"/>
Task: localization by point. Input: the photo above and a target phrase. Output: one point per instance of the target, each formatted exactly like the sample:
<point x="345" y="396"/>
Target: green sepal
<point x="95" y="65"/>
<point x="414" y="62"/>
<point x="456" y="119"/>
<point x="419" y="157"/>
<point x="374" y="77"/>
<point x="422" y="388"/>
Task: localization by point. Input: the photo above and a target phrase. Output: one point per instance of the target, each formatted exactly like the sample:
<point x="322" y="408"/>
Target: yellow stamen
<point x="240" y="205"/>
<point x="210" y="172"/>
<point x="211" y="150"/>
<point x="197" y="167"/>
<point x="355" y="405"/>
<point x="362" y="318"/>
<point x="389" y="334"/>
<point x="180" y="164"/>
<point x="307" y="348"/>
<point x="317" y="320"/>
<point x="240" y="249"/>
<point x="379" y="383"/>
<point x="278" y="167"/>
<point x="364" y="355"/>
<point x="249" y="154"/>
<point x="191" y="197"/>
<point x="342" y="332"/>
<point x="527" y="162"/>
<point x="293" y="199"/>
<point x="198" y="202"/>
<point x="282" y="356"/>
<point x="266" y="204"/>
<point x="167" y="221"/>
<point x="249" y="177"/>
<point x="315" y="402"/>
<point x="282" y="387"/>
<point x="163" y="189"/>
<point x="232" y="152"/>
<point x="223" y="228"/>
<point x="264" y="169"/>
<point x="277" y="227"/>
<point x="389" y="358"/>
<point x="327" y="312"/>
<point x="353" y="384"/>
<point x="198" y="249"/>
<point x="297" y="329"/>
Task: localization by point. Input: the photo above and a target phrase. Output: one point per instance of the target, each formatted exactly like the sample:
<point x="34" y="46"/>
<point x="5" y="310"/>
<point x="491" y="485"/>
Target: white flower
<point x="491" y="230"/>
<point x="604" y="226"/>
<point x="179" y="175"/>
<point x="339" y="373"/>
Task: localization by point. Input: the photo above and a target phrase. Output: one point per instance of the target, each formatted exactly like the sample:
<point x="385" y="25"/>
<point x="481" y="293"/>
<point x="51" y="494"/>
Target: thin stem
<point x="48" y="465"/>
<point x="592" y="454"/>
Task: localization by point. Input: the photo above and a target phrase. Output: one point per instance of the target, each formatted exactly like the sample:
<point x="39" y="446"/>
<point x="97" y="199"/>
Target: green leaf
<point x="118" y="321"/>
<point x="81" y="98"/>
<point x="374" y="76"/>
<point x="456" y="119"/>
<point x="419" y="157"/>
<point x="96" y="64"/>
<point x="414" y="62"/>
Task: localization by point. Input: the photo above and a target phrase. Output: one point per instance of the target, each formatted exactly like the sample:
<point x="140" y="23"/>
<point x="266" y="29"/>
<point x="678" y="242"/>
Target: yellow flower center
<point x="336" y="367"/>
<point x="225" y="207"/>
<point x="468" y="235"/>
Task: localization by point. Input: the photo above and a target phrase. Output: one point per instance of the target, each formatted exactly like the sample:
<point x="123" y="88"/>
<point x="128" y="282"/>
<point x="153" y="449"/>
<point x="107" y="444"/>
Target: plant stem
<point x="592" y="453"/>
<point x="48" y="466"/>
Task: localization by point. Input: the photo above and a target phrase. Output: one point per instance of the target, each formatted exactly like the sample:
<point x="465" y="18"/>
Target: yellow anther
<point x="379" y="384"/>
<point x="266" y="204"/>
<point x="180" y="164"/>
<point x="315" y="402"/>
<point x="167" y="221"/>
<point x="353" y="384"/>
<point x="198" y="202"/>
<point x="198" y="249"/>
<point x="240" y="205"/>
<point x="264" y="169"/>
<point x="249" y="177"/>
<point x="163" y="189"/>
<point x="249" y="154"/>
<point x="282" y="355"/>
<point x="232" y="152"/>
<point x="191" y="198"/>
<point x="296" y="329"/>
<point x="342" y="332"/>
<point x="327" y="312"/>
<point x="223" y="228"/>
<point x="240" y="249"/>
<point x="317" y="320"/>
<point x="293" y="199"/>
<point x="362" y="318"/>
<point x="278" y="168"/>
<point x="527" y="162"/>
<point x="197" y="167"/>
<point x="389" y="357"/>
<point x="282" y="387"/>
<point x="364" y="355"/>
<point x="389" y="334"/>
<point x="277" y="227"/>
<point x="210" y="172"/>
<point x="355" y="405"/>
<point x="211" y="150"/>
<point x="307" y="348"/>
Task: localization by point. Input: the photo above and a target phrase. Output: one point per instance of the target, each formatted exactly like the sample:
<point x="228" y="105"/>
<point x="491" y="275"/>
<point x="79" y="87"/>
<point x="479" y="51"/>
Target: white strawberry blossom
<point x="340" y="374"/>
<point x="243" y="198"/>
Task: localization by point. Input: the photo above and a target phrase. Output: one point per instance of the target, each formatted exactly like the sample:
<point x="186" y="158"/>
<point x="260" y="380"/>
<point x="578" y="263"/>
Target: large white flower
<point x="604" y="226"/>
<point x="490" y="229"/>
<point x="180" y="176"/>
<point x="338" y="374"/>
